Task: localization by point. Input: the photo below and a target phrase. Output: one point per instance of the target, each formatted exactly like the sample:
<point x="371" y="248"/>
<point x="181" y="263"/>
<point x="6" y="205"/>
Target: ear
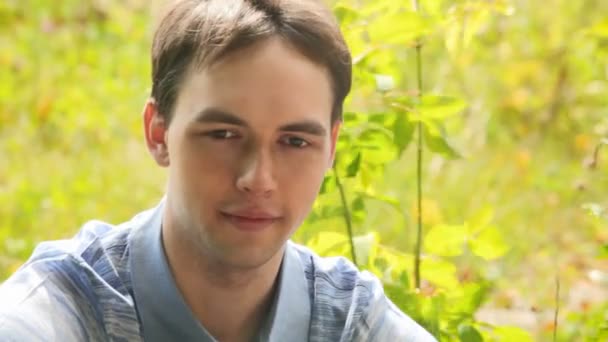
<point x="156" y="129"/>
<point x="335" y="133"/>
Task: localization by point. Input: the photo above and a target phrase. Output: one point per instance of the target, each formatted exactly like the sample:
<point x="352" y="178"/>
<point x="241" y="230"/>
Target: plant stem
<point x="556" y="308"/>
<point x="596" y="151"/>
<point x="347" y="216"/>
<point x="418" y="166"/>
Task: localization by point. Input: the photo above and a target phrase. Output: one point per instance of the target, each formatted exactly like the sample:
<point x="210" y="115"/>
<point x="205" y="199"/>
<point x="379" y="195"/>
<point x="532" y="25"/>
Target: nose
<point x="257" y="176"/>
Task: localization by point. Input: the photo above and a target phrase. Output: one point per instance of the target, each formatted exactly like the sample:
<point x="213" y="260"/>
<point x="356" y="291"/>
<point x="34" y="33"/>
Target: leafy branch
<point x="418" y="249"/>
<point x="346" y="214"/>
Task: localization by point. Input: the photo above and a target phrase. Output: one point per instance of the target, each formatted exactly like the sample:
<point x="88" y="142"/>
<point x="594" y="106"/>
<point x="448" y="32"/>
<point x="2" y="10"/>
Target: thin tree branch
<point x="418" y="251"/>
<point x="556" y="308"/>
<point x="346" y="214"/>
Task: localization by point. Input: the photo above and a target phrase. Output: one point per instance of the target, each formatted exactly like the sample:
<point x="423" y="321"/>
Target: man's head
<point x="245" y="111"/>
<point x="198" y="33"/>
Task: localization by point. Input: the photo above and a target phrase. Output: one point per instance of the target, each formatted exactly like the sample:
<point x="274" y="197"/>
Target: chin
<point x="247" y="258"/>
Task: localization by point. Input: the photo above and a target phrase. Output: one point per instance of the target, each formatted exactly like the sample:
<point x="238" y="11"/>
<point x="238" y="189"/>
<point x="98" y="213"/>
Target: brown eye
<point x="221" y="134"/>
<point x="296" y="142"/>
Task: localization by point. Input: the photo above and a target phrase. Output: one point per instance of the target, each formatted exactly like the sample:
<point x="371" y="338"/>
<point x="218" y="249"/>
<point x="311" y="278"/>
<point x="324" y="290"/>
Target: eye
<point x="296" y="142"/>
<point x="221" y="134"/>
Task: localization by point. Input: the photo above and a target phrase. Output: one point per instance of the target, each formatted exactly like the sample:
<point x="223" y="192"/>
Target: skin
<point x="247" y="148"/>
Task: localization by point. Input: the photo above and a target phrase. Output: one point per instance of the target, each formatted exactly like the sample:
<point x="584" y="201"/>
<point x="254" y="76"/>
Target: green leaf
<point x="599" y="29"/>
<point x="393" y="202"/>
<point x="442" y="273"/>
<point x="433" y="7"/>
<point x="489" y="244"/>
<point x="378" y="145"/>
<point x="445" y="240"/>
<point x="437" y="107"/>
<point x="345" y="14"/>
<point x="468" y="333"/>
<point x="467" y="298"/>
<point x="603" y="252"/>
<point x="404" y="103"/>
<point x="480" y="219"/>
<point x="432" y="308"/>
<point x="329" y="243"/>
<point x="362" y="56"/>
<point x="328" y="184"/>
<point x="397" y="262"/>
<point x="404" y="279"/>
<point x="405" y="300"/>
<point x="353" y="167"/>
<point x="403" y="132"/>
<point x="358" y="204"/>
<point x="438" y="143"/>
<point x="358" y="212"/>
<point x="399" y="28"/>
<point x="352" y="119"/>
<point x="375" y="125"/>
<point x="366" y="177"/>
<point x="507" y="333"/>
<point x="379" y="119"/>
<point x="372" y="8"/>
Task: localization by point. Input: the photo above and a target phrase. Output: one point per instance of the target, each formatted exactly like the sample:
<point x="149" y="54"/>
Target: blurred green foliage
<point x="513" y="112"/>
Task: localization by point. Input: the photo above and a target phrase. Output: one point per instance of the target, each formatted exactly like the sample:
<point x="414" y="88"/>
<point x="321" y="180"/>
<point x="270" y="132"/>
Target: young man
<point x="245" y="112"/>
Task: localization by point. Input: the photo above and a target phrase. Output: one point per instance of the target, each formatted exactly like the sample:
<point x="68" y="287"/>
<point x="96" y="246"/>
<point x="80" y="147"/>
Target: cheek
<point x="302" y="178"/>
<point x="204" y="168"/>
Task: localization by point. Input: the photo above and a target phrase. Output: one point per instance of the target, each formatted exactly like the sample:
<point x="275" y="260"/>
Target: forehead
<point x="269" y="81"/>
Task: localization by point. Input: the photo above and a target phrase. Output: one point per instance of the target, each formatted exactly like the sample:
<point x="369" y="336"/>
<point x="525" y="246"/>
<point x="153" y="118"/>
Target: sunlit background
<point x="514" y="186"/>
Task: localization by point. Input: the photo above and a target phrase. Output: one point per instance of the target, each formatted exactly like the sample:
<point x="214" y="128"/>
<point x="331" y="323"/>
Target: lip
<point x="250" y="221"/>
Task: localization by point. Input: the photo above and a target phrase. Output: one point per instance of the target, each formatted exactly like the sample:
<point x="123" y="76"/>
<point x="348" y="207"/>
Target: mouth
<point x="250" y="221"/>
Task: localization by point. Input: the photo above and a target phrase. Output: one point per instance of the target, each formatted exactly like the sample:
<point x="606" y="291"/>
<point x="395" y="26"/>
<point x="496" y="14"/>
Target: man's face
<point x="247" y="149"/>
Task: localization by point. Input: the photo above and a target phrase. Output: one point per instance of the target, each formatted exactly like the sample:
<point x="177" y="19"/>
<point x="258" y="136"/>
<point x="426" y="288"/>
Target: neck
<point x="231" y="303"/>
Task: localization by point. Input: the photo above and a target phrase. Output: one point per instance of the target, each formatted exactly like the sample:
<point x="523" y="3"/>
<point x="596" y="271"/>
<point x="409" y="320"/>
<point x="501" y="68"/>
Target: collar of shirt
<point x="164" y="314"/>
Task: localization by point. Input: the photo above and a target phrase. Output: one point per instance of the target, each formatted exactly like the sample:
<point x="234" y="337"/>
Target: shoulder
<point x="352" y="303"/>
<point x="46" y="299"/>
<point x="338" y="277"/>
<point x="44" y="305"/>
<point x="336" y="272"/>
<point x="95" y="241"/>
<point x="58" y="294"/>
<point x="383" y="321"/>
<point x="97" y="253"/>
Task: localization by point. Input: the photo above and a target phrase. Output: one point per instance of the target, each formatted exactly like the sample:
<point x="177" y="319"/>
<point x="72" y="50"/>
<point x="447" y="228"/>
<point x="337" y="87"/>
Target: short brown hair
<point x="204" y="31"/>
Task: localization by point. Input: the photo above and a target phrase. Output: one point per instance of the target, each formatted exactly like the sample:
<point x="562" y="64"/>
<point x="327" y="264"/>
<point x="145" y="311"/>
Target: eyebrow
<point x="307" y="126"/>
<point x="216" y="115"/>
